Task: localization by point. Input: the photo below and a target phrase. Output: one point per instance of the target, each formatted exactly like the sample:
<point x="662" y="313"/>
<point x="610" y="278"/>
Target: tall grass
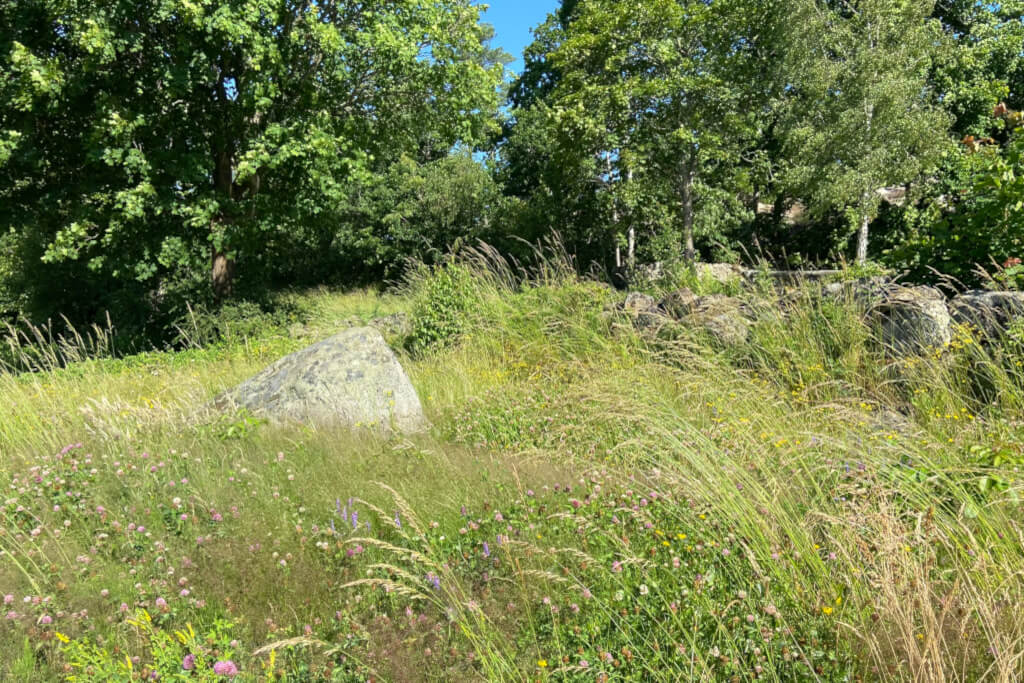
<point x="593" y="504"/>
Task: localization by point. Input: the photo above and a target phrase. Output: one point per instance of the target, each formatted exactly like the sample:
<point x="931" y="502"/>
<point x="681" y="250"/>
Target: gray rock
<point x="351" y="379"/>
<point x="723" y="273"/>
<point x="912" y="319"/>
<point x="865" y="290"/>
<point x="991" y="312"/>
<point x="644" y="310"/>
<point x="679" y="304"/>
<point x="637" y="302"/>
<point x="396" y="324"/>
<point x="725" y="318"/>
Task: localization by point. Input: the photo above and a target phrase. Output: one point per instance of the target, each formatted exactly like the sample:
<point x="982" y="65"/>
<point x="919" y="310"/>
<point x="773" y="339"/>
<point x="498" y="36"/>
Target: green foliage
<point x="418" y="211"/>
<point x="606" y="134"/>
<point x="140" y="142"/>
<point x="446" y="298"/>
<point x="862" y="115"/>
<point x="979" y="232"/>
<point x="236" y="321"/>
<point x="182" y="655"/>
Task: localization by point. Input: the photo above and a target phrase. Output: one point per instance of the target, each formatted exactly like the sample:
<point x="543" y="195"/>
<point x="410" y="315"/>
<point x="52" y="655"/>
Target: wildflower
<point x="542" y="663"/>
<point x="8" y="599"/>
<point x="104" y="593"/>
<point x="616" y="566"/>
<point x="487" y="550"/>
<point x="225" y="668"/>
<point x="643" y="589"/>
<point x="584" y="664"/>
<point x="826" y="610"/>
<point x="398" y="521"/>
<point x="45" y="620"/>
<point x="161" y="603"/>
<point x="355" y="520"/>
<point x="498" y="517"/>
<point x="189" y="662"/>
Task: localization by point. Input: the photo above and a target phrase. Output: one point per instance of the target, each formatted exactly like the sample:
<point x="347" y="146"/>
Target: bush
<point x="447" y="294"/>
<point x="234" y="322"/>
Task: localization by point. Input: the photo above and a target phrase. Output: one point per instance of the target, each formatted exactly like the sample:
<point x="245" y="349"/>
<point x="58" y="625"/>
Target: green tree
<point x="652" y="87"/>
<point x="983" y="62"/>
<point x="863" y="114"/>
<point x="154" y="141"/>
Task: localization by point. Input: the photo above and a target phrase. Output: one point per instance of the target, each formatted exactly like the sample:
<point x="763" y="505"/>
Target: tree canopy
<point x="162" y="153"/>
<point x="143" y="140"/>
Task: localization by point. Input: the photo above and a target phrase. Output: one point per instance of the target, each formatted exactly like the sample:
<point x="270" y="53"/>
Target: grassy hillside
<point x="591" y="504"/>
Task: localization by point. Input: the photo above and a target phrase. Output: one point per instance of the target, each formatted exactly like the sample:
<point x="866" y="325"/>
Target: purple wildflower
<point x="189" y="662"/>
<point x="355" y="519"/>
<point x="487" y="550"/>
<point x="225" y="668"/>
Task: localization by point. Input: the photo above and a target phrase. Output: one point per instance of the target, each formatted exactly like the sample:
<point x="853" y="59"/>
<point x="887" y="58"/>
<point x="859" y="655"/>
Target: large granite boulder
<point x="990" y="312"/>
<point x="351" y="379"/>
<point x="912" y="319"/>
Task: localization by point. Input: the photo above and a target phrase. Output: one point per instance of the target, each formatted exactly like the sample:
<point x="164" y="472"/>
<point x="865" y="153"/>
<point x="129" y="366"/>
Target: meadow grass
<point x="590" y="504"/>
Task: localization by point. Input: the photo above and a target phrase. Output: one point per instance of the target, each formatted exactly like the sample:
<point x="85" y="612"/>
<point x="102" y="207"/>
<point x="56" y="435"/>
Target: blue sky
<point x="513" y="20"/>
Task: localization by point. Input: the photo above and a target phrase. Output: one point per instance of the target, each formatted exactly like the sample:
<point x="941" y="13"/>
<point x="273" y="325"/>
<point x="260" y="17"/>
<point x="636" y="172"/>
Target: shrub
<point x="234" y="322"/>
<point x="447" y="294"/>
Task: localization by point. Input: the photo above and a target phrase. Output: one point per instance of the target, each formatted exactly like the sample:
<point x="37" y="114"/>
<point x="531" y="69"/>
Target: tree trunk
<point x="631" y="233"/>
<point x="686" y="192"/>
<point x="222" y="268"/>
<point x="862" y="240"/>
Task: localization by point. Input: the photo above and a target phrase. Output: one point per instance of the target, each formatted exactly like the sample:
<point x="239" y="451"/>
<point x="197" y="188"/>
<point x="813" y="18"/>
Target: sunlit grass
<point x="799" y="528"/>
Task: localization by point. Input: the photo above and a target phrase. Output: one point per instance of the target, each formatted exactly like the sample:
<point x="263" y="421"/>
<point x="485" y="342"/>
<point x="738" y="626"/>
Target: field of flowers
<point x="591" y="505"/>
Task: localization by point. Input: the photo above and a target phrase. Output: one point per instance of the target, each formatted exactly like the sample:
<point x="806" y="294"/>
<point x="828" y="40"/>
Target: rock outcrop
<point x="908" y="319"/>
<point x="352" y="379"/>
<point x="723" y="317"/>
<point x="912" y="319"/>
<point x="989" y="312"/>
